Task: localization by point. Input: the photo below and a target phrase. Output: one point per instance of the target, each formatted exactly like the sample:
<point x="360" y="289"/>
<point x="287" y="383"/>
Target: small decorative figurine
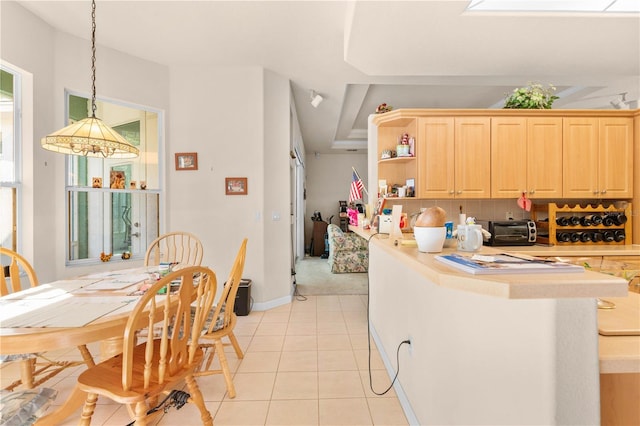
<point x="117" y="179"/>
<point x="383" y="108"/>
<point x="105" y="257"/>
<point x="97" y="182"/>
<point x="126" y="255"/>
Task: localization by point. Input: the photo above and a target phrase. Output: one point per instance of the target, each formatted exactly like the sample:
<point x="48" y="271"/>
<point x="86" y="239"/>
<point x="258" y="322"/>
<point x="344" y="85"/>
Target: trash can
<point x="242" y="306"/>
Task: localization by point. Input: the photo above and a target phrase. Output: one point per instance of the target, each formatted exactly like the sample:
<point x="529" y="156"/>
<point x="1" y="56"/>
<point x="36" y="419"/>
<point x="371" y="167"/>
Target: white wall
<point x="217" y="112"/>
<point x="20" y="33"/>
<point x="329" y="178"/>
<point x="277" y="245"/>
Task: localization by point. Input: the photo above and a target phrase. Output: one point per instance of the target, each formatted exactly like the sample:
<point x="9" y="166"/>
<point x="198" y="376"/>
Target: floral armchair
<point x="348" y="252"/>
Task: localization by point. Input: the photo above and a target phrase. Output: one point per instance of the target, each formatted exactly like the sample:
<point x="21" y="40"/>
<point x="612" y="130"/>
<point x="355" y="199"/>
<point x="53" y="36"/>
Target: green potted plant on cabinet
<point x="533" y="96"/>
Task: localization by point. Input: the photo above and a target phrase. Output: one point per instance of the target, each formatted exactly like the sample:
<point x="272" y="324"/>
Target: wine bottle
<point x="562" y="237"/>
<point x="595" y="219"/>
<point x="574" y="237"/>
<point x="585" y="236"/>
<point x="608" y="236"/>
<point x="585" y="221"/>
<point x="607" y="220"/>
<point x="596" y="237"/>
<point x="562" y="221"/>
<point x="619" y="218"/>
<point x="574" y="221"/>
<point x="619" y="235"/>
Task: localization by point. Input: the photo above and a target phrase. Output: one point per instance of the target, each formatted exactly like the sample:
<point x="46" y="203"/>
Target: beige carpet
<point x="314" y="277"/>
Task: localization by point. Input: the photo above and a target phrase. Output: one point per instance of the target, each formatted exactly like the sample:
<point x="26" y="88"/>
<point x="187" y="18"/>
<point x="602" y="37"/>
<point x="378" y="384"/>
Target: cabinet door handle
<point x="451" y="192"/>
<point x="533" y="191"/>
<point x="459" y="192"/>
<point x="604" y="191"/>
<point x="595" y="192"/>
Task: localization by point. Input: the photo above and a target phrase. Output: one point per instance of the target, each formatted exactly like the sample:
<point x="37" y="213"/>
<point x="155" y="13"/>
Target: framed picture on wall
<point x="235" y="186"/>
<point x="187" y="161"/>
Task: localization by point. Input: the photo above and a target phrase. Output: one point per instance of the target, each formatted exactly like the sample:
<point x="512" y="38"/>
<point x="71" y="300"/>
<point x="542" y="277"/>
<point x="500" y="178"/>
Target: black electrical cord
<point x="369" y="336"/>
<point x="296" y="293"/>
<point x="178" y="399"/>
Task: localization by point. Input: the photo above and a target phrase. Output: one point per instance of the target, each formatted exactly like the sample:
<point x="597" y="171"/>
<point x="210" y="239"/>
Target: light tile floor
<point x="306" y="363"/>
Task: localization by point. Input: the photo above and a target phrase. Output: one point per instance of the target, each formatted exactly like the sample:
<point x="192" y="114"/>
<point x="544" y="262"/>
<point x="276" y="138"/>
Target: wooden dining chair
<point x="35" y="368"/>
<point x="145" y="371"/>
<point x="12" y="273"/>
<point x="221" y="322"/>
<point x="182" y="248"/>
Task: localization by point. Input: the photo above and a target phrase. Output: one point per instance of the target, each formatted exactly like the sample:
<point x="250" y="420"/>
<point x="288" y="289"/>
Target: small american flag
<point x="355" y="193"/>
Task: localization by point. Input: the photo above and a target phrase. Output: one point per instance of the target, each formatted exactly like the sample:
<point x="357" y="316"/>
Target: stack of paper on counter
<point x="505" y="263"/>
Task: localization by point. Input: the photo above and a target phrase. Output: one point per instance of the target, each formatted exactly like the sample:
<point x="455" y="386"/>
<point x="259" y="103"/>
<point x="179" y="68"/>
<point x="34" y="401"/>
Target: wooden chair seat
<point x="110" y="371"/>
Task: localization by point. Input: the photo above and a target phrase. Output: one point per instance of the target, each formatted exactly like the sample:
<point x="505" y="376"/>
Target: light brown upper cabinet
<point x="526" y="157"/>
<point x="598" y="157"/>
<point x="454" y="158"/>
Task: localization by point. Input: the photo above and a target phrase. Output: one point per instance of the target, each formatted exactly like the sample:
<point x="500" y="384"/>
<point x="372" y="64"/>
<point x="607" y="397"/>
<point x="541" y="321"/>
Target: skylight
<point x="560" y="6"/>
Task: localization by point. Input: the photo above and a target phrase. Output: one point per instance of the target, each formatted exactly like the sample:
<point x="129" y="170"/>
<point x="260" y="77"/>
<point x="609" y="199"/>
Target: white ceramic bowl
<point x="430" y="239"/>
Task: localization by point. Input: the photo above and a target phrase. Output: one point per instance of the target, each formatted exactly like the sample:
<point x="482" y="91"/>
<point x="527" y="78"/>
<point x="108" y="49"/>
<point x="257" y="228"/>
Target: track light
<point x="621" y="102"/>
<point x="315" y="99"/>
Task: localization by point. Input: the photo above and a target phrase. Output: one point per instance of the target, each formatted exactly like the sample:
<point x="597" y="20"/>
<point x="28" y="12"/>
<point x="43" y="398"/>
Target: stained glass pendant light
<point x="90" y="137"/>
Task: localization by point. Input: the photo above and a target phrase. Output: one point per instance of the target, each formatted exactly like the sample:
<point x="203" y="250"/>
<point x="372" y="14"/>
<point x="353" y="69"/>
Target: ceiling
<point x="359" y="54"/>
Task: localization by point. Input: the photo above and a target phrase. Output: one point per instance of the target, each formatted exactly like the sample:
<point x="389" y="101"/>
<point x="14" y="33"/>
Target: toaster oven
<point x="510" y="232"/>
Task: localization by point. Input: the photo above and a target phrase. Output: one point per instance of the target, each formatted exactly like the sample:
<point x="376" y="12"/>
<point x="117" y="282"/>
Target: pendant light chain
<point x="93" y="58"/>
<point x="90" y="137"/>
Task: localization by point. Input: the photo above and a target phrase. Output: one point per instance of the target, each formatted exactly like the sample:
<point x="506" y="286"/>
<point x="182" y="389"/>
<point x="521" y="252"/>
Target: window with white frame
<point x="9" y="156"/>
<point x="113" y="205"/>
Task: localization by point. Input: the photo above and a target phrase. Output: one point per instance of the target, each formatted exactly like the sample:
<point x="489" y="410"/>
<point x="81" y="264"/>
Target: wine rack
<point x="581" y="225"/>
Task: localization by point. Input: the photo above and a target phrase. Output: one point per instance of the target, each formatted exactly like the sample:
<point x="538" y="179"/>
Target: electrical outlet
<point x="508" y="216"/>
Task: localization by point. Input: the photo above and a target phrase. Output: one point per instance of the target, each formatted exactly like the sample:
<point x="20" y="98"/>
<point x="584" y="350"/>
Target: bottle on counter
<point x="574" y="237"/>
<point x="563" y="237"/>
<point x="608" y="236"/>
<point x="562" y="221"/>
<point x="619" y="235"/>
<point x="596" y="237"/>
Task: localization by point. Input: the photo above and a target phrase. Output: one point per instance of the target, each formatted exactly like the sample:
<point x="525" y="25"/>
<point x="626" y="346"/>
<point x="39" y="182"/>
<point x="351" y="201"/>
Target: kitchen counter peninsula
<point x="492" y="349"/>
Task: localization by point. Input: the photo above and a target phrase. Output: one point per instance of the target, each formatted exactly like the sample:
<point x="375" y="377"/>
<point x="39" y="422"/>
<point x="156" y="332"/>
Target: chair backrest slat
<point x="183" y="248"/>
<point x="172" y="331"/>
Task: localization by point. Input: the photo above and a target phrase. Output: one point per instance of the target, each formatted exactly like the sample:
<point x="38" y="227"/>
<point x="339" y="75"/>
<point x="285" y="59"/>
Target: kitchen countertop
<point x="620" y="353"/>
<point x="511" y="286"/>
